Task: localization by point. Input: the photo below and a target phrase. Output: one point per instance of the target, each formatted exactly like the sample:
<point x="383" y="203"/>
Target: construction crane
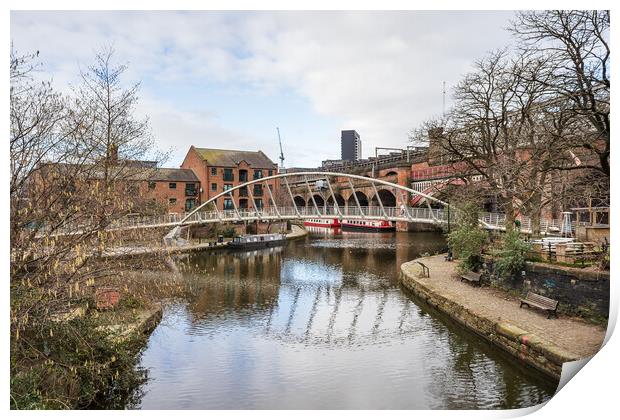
<point x="281" y="152"/>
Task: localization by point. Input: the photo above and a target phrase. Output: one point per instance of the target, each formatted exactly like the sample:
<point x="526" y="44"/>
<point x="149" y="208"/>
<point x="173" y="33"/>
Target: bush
<point x="228" y="232"/>
<point x="512" y="256"/>
<point x="468" y="239"/>
<point x="74" y="364"/>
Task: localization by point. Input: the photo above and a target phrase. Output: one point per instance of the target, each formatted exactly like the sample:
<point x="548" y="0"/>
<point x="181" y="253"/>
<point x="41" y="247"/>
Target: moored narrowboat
<point x="258" y="241"/>
<point x="326" y="223"/>
<point x="354" y="225"/>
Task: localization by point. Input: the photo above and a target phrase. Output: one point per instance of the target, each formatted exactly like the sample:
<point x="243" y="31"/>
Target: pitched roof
<point x="221" y="157"/>
<point x="126" y="172"/>
<point x="173" y="174"/>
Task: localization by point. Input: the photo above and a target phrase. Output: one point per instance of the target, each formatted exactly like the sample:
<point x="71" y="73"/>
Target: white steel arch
<point x="305" y="174"/>
<point x="277" y="212"/>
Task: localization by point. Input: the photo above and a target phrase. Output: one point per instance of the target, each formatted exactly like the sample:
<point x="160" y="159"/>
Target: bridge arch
<point x="319" y="200"/>
<point x="299" y="201"/>
<point x="361" y="197"/>
<point x="339" y="200"/>
<point x="388" y="199"/>
<point x="302" y="178"/>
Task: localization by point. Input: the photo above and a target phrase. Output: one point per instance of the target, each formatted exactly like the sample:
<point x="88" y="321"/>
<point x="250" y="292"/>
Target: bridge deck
<point x="493" y="221"/>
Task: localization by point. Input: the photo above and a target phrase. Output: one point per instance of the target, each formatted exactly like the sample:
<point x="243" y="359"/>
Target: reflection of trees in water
<point x="258" y="287"/>
<point x="233" y="281"/>
<point x="340" y="297"/>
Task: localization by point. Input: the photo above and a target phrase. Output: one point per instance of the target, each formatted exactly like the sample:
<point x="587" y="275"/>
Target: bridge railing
<point x="498" y="220"/>
<point x="492" y="220"/>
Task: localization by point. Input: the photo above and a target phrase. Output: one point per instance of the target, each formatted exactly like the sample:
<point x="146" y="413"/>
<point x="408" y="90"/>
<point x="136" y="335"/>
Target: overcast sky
<point x="227" y="79"/>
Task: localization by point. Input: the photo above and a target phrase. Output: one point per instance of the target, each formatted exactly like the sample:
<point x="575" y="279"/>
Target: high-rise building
<point x="350" y="145"/>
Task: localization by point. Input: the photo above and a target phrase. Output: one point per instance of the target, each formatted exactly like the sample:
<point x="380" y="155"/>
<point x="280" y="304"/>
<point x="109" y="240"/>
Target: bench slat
<point x="472" y="277"/>
<point x="541" y="302"/>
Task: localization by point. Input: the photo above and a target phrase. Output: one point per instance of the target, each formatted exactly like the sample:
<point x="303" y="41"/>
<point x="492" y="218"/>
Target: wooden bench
<point x="472" y="277"/>
<point x="540" y="302"/>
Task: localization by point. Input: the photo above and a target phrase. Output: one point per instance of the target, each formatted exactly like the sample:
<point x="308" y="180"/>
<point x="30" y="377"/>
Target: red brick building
<point x="219" y="170"/>
<point x="173" y="189"/>
<point x="140" y="186"/>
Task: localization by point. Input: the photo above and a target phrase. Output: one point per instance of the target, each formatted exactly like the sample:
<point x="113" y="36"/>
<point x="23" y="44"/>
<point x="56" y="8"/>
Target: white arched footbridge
<point x="383" y="200"/>
<point x="323" y="202"/>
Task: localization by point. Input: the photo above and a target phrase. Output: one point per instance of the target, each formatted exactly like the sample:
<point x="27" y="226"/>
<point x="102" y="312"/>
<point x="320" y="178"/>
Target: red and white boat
<point x="353" y="225"/>
<point x="325" y="223"/>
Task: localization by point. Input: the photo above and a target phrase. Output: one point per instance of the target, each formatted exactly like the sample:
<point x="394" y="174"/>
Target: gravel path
<point x="571" y="334"/>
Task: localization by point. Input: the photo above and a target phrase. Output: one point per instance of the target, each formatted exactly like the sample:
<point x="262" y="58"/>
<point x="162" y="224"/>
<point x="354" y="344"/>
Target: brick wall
<point x="172" y="199"/>
<point x="580" y="292"/>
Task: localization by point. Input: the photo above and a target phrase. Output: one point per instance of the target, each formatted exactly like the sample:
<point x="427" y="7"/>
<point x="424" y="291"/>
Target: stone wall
<point x="580" y="291"/>
<point x="597" y="234"/>
<point x="523" y="345"/>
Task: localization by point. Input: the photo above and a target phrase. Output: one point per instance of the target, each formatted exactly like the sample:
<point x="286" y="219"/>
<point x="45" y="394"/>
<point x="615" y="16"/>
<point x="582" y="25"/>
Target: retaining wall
<point x="528" y="348"/>
<point x="580" y="291"/>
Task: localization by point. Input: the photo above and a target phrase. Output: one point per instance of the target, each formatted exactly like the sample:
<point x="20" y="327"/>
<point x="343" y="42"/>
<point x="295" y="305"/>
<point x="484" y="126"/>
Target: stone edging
<point x="525" y="347"/>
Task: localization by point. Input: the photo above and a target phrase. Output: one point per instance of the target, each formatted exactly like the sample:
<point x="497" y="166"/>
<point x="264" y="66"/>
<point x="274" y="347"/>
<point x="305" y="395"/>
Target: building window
<point x="214" y="187"/>
<point x="228" y="204"/>
<point x="258" y="173"/>
<point x="213" y="171"/>
<point x="228" y="174"/>
<point x="190" y="203"/>
<point x="227" y="187"/>
<point x="259" y="203"/>
<point x="243" y="175"/>
<point x="152" y="185"/>
<point x="243" y="191"/>
<point x="258" y="190"/>
<point x="172" y="201"/>
<point x="172" y="185"/>
<point x="190" y="189"/>
<point x="270" y="172"/>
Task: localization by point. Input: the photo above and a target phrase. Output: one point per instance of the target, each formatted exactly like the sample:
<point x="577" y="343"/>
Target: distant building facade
<point x="140" y="186"/>
<point x="219" y="170"/>
<point x="332" y="163"/>
<point x="350" y="145"/>
<point x="177" y="190"/>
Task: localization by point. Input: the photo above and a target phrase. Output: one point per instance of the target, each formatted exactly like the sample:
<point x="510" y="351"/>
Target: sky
<point x="228" y="79"/>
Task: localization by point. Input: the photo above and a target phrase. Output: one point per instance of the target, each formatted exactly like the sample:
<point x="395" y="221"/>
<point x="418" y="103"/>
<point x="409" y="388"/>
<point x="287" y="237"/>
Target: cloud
<point x="380" y="73"/>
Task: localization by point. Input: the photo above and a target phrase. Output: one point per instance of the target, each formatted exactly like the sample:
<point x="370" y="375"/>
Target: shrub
<point x="468" y="239"/>
<point x="512" y="256"/>
<point x="74" y="364"/>
<point x="229" y="232"/>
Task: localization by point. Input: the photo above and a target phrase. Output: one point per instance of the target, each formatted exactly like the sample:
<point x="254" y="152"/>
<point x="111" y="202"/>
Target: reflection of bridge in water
<point x="319" y="294"/>
<point x="339" y="315"/>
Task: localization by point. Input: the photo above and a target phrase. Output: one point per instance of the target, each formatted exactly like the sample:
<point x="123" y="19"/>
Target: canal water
<point x="322" y="323"/>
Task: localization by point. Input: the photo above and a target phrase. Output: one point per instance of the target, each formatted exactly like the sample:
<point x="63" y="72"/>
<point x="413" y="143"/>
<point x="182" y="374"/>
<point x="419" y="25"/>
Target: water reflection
<point x="321" y="323"/>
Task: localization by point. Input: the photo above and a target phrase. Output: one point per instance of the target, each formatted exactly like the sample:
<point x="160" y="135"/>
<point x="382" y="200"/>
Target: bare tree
<point x="64" y="173"/>
<point x="119" y="145"/>
<point x="505" y="134"/>
<point x="574" y="45"/>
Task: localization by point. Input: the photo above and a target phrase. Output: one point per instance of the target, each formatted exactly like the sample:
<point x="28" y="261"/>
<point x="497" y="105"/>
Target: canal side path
<point x="527" y="334"/>
<point x="136" y="251"/>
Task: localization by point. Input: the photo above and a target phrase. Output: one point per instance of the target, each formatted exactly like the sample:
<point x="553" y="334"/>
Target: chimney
<point x="434" y="147"/>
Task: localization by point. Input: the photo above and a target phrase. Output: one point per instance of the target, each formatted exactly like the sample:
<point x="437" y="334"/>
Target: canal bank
<point x="296" y="232"/>
<point x="544" y="344"/>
